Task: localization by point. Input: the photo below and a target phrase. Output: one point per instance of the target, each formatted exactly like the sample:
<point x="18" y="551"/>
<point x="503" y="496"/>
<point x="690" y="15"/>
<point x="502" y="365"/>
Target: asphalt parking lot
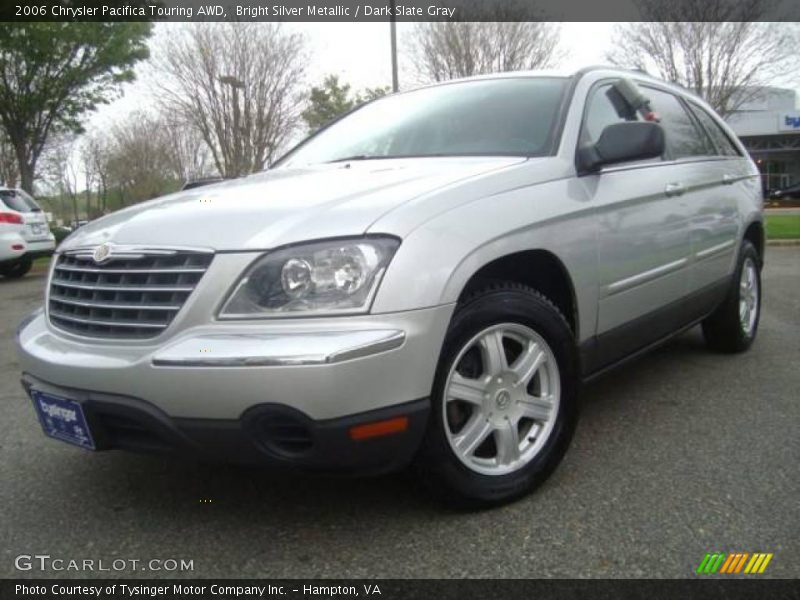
<point x="681" y="453"/>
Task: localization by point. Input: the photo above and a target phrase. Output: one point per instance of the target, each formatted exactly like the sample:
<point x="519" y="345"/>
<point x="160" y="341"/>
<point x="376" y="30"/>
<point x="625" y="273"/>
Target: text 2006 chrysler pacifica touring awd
<point x="427" y="280"/>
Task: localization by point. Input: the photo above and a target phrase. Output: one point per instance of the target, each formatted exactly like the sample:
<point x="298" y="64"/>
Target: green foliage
<point x="332" y="99"/>
<point x="783" y="227"/>
<point x="53" y="73"/>
<point x="60" y="233"/>
<point x="327" y="102"/>
<point x="370" y="94"/>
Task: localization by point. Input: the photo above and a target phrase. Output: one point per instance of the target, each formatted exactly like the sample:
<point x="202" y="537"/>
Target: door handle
<point x="674" y="189"/>
<point x="728" y="179"/>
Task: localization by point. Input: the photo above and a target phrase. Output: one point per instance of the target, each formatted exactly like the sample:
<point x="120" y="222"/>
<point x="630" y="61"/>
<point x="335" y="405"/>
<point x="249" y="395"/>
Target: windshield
<point x="514" y="116"/>
<point x="19" y="201"/>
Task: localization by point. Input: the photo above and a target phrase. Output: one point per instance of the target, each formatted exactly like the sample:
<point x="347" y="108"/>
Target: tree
<point x="447" y="50"/>
<point x="716" y="48"/>
<point x="96" y="157"/>
<point x="326" y="102"/>
<point x="9" y="173"/>
<point x="139" y="163"/>
<point x="238" y="85"/>
<point x="53" y="73"/>
<point x="332" y="99"/>
<point x="188" y="155"/>
<point x="60" y="168"/>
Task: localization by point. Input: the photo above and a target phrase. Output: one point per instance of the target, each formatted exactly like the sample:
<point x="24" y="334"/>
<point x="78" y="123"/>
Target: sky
<point x="360" y="54"/>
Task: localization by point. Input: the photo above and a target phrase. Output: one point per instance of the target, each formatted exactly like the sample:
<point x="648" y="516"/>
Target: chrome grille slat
<point x="120" y="288"/>
<point x="87" y="304"/>
<point x="135" y="294"/>
<point x="132" y="271"/>
<point x="106" y="323"/>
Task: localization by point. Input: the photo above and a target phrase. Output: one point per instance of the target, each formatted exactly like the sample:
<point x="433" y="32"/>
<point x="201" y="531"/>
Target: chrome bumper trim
<point x="268" y="350"/>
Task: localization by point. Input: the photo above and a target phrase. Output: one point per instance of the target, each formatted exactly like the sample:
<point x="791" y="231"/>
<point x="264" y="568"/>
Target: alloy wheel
<point x="501" y="399"/>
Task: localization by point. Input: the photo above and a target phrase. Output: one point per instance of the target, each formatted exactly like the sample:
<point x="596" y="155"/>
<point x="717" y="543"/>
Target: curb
<point x="783" y="242"/>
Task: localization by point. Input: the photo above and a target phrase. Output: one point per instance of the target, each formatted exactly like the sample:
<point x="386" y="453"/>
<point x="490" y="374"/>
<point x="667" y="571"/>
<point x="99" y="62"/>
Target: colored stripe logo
<point x="734" y="563"/>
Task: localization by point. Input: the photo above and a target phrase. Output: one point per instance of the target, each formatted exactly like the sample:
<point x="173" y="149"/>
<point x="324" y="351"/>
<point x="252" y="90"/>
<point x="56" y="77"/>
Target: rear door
<point x="715" y="222"/>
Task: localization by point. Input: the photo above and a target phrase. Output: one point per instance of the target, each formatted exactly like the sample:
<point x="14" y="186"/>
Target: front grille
<point x="133" y="294"/>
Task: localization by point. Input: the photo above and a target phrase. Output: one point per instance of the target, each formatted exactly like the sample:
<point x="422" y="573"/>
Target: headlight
<point x="329" y="277"/>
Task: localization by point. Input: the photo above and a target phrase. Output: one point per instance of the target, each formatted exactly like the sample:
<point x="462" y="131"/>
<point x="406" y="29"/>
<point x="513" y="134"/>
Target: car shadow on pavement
<point x="152" y="485"/>
<point x="651" y="369"/>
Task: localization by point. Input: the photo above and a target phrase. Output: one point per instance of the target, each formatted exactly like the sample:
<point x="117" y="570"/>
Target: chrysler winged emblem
<point x="101" y="253"/>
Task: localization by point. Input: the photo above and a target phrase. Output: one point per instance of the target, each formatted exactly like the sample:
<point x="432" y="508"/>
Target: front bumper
<point x="324" y="368"/>
<point x="265" y="435"/>
<point x="12" y="247"/>
<point x="44" y="247"/>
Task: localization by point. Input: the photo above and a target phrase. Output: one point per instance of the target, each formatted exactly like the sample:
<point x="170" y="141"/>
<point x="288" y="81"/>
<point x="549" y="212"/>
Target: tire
<point x="18" y="269"/>
<point x="732" y="327"/>
<point x="529" y="327"/>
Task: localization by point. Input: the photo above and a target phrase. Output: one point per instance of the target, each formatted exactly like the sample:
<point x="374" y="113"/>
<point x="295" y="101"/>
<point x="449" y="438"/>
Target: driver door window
<point x="606" y="107"/>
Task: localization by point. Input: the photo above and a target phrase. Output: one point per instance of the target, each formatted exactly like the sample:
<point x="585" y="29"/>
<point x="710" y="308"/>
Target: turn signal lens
<point x="379" y="428"/>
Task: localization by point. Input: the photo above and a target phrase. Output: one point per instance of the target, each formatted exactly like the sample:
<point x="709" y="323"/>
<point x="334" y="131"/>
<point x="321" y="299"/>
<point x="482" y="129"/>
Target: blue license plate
<point x="62" y="419"/>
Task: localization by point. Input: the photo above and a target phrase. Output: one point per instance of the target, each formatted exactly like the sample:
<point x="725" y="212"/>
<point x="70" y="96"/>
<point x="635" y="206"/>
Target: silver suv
<point x="427" y="280"/>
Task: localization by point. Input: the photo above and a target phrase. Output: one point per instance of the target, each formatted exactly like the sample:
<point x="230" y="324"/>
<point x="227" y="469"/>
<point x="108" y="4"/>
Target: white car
<point x="24" y="232"/>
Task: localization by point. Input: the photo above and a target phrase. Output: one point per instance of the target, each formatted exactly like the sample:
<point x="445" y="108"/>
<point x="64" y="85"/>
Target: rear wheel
<point x="504" y="403"/>
<point x="17" y="269"/>
<point x="733" y="326"/>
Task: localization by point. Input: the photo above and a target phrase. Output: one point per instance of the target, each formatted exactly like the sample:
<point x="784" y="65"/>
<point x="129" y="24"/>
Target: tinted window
<point x="721" y="140"/>
<point x="515" y="116"/>
<point x="683" y="136"/>
<point x="606" y="107"/>
<point x="15" y="201"/>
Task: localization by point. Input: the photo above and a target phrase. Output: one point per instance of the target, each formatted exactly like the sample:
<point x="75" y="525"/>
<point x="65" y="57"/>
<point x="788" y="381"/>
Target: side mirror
<point x="622" y="142"/>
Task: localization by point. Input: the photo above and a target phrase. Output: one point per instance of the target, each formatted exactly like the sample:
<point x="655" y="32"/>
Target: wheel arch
<point x="540" y="269"/>
<point x="754" y="233"/>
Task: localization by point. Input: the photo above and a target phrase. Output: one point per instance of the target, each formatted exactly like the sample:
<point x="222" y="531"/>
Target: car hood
<point x="283" y="206"/>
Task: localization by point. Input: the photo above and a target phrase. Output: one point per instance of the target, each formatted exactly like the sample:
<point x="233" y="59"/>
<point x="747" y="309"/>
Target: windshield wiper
<point x="354" y="157"/>
<point x="390" y="156"/>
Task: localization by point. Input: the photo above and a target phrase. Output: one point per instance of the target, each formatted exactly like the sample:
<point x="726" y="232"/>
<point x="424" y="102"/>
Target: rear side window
<point x="684" y="137"/>
<point x="19" y="200"/>
<point x="723" y="143"/>
<point x="14" y="201"/>
<point x="606" y="107"/>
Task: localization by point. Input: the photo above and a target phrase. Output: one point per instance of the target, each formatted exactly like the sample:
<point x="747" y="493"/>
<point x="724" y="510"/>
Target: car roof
<point x="596" y="70"/>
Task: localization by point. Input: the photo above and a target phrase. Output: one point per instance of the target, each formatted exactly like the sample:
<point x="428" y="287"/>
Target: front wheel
<point x="733" y="326"/>
<point x="504" y="402"/>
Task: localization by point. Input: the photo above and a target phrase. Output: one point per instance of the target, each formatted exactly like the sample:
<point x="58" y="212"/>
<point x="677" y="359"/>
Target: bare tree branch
<point x="446" y="50"/>
<point x="717" y="48"/>
<point x="238" y="85"/>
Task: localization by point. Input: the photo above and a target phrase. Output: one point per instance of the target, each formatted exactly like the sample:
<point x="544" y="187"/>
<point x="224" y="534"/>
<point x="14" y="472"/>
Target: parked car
<point x="428" y="280"/>
<point x="19" y="209"/>
<point x="790" y="192"/>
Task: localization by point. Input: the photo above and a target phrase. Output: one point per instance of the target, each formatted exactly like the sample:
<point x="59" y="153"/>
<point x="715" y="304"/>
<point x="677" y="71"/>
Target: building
<point x="768" y="124"/>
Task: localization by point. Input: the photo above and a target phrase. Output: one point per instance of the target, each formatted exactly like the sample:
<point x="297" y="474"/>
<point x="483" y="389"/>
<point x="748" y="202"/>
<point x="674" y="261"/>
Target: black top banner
<point x="400" y="10"/>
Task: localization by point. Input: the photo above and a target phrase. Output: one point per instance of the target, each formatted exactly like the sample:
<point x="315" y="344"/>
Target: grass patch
<point x="783" y="227"/>
<point x="41" y="264"/>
